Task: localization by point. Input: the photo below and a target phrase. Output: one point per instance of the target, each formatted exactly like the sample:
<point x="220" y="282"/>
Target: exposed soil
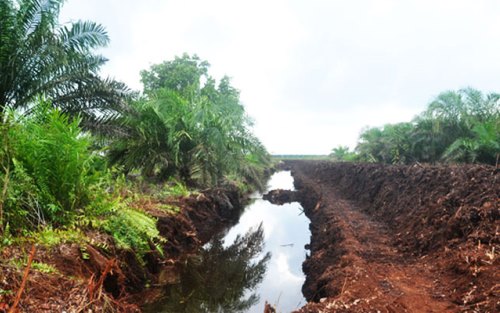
<point x="384" y="239"/>
<point x="281" y="196"/>
<point x="98" y="277"/>
<point x="400" y="238"/>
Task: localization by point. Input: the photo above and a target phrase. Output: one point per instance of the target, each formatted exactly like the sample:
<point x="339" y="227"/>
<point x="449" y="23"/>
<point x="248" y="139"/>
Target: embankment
<point x="95" y="275"/>
<point x="400" y="238"/>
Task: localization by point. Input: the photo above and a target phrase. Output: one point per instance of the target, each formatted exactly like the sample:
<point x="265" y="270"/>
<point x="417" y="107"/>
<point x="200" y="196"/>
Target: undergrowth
<point x="56" y="186"/>
<point x="50" y="173"/>
<point x="133" y="229"/>
<point x="49" y="236"/>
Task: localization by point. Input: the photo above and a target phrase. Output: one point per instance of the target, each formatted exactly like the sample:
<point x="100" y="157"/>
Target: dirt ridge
<point x="400" y="238"/>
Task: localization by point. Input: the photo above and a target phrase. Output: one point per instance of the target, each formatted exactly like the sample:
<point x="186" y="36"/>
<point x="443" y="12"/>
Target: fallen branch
<point x="23" y="282"/>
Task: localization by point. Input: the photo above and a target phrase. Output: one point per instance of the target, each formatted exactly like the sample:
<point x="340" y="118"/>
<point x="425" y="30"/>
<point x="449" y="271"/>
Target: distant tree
<point x="462" y="126"/>
<point x="341" y="154"/>
<point x="483" y="147"/>
<point x="183" y="75"/>
<point x="389" y="144"/>
<point x="458" y="126"/>
<point x="370" y="145"/>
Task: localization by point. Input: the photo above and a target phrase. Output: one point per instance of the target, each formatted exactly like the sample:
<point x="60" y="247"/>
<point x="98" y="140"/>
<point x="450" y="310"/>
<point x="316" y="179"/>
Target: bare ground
<point x="400" y="238"/>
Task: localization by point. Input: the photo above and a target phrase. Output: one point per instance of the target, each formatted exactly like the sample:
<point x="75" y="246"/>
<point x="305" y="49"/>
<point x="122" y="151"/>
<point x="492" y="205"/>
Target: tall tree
<point x="183" y="75"/>
<point x="190" y="126"/>
<point x="40" y="56"/>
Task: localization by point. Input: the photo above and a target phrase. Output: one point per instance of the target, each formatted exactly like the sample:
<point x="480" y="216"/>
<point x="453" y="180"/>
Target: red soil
<point x="400" y="238"/>
<point x="99" y="277"/>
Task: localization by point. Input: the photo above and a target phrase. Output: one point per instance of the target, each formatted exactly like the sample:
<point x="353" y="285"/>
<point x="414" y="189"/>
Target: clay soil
<point x="400" y="238"/>
<point x="96" y="276"/>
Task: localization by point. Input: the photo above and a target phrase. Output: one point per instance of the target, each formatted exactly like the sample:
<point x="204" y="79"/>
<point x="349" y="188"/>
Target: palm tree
<point x="483" y="147"/>
<point x="196" y="131"/>
<point x="40" y="56"/>
<point x="464" y="126"/>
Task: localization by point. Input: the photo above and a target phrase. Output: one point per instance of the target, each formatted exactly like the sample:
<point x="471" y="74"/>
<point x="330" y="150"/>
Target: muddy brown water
<point x="232" y="272"/>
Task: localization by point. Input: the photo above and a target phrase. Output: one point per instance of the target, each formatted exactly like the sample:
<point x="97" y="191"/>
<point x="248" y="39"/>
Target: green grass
<point x="37" y="266"/>
<point x="44" y="268"/>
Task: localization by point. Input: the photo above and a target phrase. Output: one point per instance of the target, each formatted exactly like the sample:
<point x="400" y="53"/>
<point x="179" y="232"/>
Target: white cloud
<point x="313" y="73"/>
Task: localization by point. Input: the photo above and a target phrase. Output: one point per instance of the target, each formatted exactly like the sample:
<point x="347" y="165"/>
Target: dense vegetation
<point x="40" y="56"/>
<point x="458" y="126"/>
<point x="70" y="138"/>
<point x="181" y="127"/>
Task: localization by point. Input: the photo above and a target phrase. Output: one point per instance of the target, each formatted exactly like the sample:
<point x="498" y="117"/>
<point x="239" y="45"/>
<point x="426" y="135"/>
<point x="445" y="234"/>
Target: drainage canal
<point x="257" y="260"/>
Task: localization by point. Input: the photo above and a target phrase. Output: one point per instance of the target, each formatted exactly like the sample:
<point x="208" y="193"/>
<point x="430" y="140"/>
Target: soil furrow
<point x="360" y="261"/>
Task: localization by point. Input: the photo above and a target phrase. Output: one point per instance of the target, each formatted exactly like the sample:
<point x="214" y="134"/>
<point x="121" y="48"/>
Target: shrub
<point x="52" y="173"/>
<point x="132" y="230"/>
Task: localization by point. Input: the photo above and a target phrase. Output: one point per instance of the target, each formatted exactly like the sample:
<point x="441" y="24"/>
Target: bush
<point x="132" y="230"/>
<point x="52" y="174"/>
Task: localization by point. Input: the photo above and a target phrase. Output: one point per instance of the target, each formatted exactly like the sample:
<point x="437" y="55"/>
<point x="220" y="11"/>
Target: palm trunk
<point x="6" y="180"/>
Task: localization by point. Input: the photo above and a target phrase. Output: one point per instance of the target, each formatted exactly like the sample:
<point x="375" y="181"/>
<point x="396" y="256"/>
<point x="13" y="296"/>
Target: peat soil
<point x="97" y="276"/>
<point x="414" y="238"/>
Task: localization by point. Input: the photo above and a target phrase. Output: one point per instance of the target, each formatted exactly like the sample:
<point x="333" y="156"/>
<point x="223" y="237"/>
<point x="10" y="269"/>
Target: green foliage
<point x="174" y="189"/>
<point x="40" y="56"/>
<point x="182" y="75"/>
<point x="170" y="208"/>
<point x="54" y="177"/>
<point x="132" y="229"/>
<point x="389" y="144"/>
<point x="37" y="266"/>
<point x="44" y="268"/>
<point x="196" y="132"/>
<point x="461" y="126"/>
<point x="300" y="157"/>
<point x="49" y="236"/>
<point x="342" y="154"/>
<point x="482" y="146"/>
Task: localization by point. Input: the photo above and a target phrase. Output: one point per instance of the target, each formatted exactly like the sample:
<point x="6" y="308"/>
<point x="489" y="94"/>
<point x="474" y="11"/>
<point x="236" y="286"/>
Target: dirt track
<point x="400" y="239"/>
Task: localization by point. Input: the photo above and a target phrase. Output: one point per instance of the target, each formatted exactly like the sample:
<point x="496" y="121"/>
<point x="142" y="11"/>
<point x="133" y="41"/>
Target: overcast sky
<point x="311" y="73"/>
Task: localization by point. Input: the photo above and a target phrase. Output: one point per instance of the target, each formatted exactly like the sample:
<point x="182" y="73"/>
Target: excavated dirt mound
<point x="400" y="238"/>
<point x="281" y="196"/>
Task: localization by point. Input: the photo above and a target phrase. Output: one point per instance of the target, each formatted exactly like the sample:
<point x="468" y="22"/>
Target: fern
<point x="55" y="177"/>
<point x="133" y="229"/>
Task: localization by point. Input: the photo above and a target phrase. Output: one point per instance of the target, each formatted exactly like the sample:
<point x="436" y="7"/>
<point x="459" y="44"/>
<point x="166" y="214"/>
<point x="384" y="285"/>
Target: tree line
<point x="457" y="126"/>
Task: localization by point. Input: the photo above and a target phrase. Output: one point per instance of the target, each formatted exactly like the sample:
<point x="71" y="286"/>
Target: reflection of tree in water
<point x="220" y="278"/>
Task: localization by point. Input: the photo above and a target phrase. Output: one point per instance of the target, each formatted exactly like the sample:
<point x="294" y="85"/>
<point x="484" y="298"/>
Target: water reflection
<point x="286" y="232"/>
<point x="230" y="273"/>
<point x="220" y="279"/>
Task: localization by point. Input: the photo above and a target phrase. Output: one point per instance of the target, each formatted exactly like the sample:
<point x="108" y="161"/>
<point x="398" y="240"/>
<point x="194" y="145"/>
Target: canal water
<point x="257" y="260"/>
